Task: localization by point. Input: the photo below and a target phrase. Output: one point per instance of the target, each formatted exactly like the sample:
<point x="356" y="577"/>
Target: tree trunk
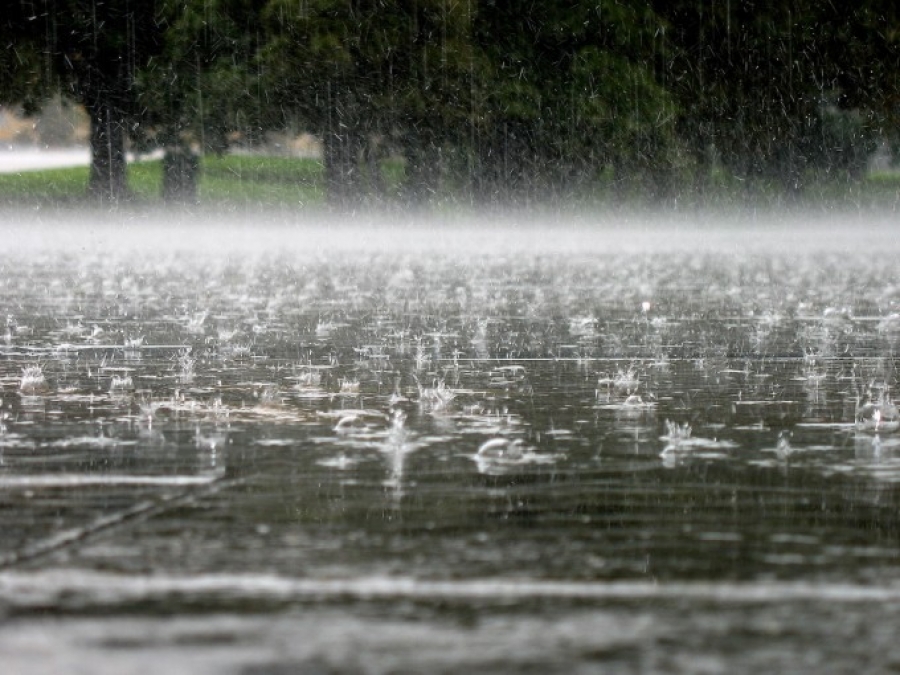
<point x="180" y="170"/>
<point x="107" y="180"/>
<point x="423" y="169"/>
<point x="341" y="156"/>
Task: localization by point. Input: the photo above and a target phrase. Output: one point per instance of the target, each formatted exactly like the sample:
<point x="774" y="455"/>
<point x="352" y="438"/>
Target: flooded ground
<point x="315" y="448"/>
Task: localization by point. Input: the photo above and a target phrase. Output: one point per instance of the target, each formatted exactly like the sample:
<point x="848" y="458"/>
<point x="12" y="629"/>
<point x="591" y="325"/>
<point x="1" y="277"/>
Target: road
<point x="17" y="159"/>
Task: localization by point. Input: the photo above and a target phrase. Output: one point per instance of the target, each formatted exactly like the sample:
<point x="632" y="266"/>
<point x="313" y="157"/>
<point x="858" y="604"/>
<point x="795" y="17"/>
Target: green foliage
<point x="780" y="91"/>
<point x="25" y="69"/>
<point x="572" y="93"/>
<point x="66" y="185"/>
<point x="200" y="90"/>
<point x="490" y="100"/>
<point x="261" y="169"/>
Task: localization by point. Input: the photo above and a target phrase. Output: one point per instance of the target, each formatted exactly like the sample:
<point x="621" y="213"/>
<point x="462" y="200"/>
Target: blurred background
<point x="460" y="101"/>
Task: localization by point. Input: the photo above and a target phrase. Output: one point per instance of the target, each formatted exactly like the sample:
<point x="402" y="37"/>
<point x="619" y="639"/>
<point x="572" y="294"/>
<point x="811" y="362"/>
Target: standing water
<point x="325" y="448"/>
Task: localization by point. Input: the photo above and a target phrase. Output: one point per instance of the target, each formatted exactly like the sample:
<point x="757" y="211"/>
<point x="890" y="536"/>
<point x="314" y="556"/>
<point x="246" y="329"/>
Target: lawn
<point x="234" y="181"/>
<point x="266" y="180"/>
<point x="229" y="180"/>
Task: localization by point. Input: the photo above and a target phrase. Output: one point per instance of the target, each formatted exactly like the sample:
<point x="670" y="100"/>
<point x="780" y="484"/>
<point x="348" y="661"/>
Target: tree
<point x="780" y="92"/>
<point x="370" y="75"/>
<point x="200" y="93"/>
<point x="507" y="100"/>
<point x="170" y="73"/>
<point x="313" y="74"/>
<point x="571" y="92"/>
<point x="861" y="47"/>
<point x="25" y="73"/>
<point x="89" y="50"/>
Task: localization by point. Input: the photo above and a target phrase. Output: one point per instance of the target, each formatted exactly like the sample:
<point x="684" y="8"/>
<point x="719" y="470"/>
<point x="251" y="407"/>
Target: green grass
<point x="144" y="180"/>
<point x="50" y="185"/>
<point x="237" y="180"/>
<point x="68" y="185"/>
<point x="256" y="169"/>
<point x="228" y="181"/>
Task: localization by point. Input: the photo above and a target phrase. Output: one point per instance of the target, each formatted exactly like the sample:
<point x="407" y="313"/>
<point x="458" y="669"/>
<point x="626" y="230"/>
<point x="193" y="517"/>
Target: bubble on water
<point x="213" y="440"/>
<point x="359" y="422"/>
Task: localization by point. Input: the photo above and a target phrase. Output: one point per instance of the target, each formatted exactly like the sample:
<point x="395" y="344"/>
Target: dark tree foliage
<point x="320" y="76"/>
<point x="201" y="92"/>
<point x="507" y="100"/>
<point x="571" y="92"/>
<point x="24" y="71"/>
<point x="496" y="101"/>
<point x="372" y="77"/>
<point x="780" y="92"/>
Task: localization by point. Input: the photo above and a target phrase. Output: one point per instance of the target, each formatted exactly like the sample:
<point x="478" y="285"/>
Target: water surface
<point x="623" y="444"/>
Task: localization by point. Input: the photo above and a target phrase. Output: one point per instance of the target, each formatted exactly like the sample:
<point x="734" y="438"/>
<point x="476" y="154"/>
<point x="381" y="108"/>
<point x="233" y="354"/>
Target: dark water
<point x="329" y="453"/>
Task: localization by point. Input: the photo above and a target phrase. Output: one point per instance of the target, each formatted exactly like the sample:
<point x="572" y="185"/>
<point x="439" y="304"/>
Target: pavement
<point x="15" y="159"/>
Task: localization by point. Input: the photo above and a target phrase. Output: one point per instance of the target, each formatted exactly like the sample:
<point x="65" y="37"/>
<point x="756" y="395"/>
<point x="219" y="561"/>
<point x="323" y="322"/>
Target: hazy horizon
<point x="499" y="232"/>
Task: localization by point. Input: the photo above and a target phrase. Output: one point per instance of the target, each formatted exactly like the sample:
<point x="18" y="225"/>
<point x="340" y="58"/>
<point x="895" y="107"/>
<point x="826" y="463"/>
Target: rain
<point x="449" y="335"/>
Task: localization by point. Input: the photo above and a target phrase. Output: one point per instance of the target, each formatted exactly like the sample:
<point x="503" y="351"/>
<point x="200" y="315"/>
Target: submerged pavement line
<point x="141" y="511"/>
<point x="24" y="589"/>
<point x="82" y="480"/>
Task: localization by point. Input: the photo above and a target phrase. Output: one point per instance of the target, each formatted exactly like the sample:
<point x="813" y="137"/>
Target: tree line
<point x="493" y="101"/>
